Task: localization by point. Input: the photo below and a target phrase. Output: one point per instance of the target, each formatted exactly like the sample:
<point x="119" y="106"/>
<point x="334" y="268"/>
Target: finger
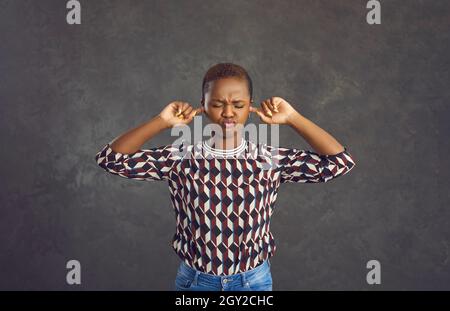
<point x="266" y="109"/>
<point x="186" y="105"/>
<point x="192" y="114"/>
<point x="253" y="109"/>
<point x="270" y="105"/>
<point x="174" y="107"/>
<point x="178" y="109"/>
<point x="195" y="112"/>
<point x="187" y="111"/>
<point x="200" y="110"/>
<point x="262" y="116"/>
<point x="274" y="104"/>
<point x="181" y="109"/>
<point x="258" y="112"/>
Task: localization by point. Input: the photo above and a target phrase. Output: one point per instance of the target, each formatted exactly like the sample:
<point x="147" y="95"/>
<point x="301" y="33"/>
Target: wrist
<point x="293" y="118"/>
<point x="162" y="124"/>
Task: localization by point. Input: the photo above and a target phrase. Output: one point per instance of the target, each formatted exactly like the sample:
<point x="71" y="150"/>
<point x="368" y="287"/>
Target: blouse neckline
<point x="218" y="151"/>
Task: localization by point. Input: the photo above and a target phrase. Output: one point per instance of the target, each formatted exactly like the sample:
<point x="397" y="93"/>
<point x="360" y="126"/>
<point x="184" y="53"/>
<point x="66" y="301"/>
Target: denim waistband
<point x="243" y="276"/>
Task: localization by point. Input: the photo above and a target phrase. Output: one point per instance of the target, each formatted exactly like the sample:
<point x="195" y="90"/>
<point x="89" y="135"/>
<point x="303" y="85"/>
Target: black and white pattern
<point x="224" y="199"/>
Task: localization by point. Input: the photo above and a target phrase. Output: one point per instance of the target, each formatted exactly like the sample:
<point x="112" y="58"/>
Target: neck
<point x="227" y="142"/>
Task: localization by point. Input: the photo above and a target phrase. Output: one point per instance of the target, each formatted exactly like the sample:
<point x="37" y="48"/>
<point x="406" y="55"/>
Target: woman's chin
<point x="226" y="133"/>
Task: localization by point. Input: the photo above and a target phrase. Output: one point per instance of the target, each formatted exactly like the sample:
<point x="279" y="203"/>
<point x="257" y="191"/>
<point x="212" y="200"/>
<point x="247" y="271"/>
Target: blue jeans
<point x="256" y="279"/>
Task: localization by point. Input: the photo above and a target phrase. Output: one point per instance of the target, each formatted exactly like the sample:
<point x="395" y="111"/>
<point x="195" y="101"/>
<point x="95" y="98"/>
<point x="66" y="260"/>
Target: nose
<point x="228" y="111"/>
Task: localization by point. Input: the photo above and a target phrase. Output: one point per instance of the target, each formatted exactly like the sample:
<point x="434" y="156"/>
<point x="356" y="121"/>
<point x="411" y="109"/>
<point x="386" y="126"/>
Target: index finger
<point x="253" y="109"/>
<point x="199" y="110"/>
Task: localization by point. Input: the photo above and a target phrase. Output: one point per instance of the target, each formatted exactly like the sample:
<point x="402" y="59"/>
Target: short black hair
<point x="226" y="70"/>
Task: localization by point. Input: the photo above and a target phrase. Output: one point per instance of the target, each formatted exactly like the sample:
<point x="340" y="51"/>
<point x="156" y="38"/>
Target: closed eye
<point x="237" y="104"/>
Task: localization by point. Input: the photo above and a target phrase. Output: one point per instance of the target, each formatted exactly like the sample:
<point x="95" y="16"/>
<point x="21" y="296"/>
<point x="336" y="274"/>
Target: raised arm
<point x="176" y="112"/>
<point x="320" y="140"/>
<point x="329" y="160"/>
<point x="123" y="156"/>
<point x="132" y="140"/>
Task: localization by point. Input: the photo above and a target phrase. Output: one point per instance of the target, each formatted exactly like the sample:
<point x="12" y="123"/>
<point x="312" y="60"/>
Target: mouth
<point x="228" y="123"/>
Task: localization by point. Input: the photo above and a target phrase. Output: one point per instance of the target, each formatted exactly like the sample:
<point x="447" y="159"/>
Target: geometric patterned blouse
<point x="224" y="199"/>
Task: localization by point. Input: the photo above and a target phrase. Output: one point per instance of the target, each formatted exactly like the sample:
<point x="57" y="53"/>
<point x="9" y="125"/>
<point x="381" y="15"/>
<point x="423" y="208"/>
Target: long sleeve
<point x="306" y="166"/>
<point x="146" y="164"/>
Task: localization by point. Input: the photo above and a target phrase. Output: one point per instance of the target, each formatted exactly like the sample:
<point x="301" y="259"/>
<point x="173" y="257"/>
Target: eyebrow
<point x="219" y="100"/>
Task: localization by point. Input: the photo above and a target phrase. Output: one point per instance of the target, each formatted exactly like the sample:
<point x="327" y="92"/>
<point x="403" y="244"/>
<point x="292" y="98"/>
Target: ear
<point x="203" y="106"/>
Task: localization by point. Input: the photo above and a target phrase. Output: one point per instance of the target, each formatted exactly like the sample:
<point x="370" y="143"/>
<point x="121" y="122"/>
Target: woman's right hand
<point x="179" y="112"/>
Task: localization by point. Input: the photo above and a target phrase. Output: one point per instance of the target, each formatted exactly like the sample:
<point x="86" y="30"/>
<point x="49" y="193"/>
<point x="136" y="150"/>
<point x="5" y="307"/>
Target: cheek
<point x="213" y="114"/>
<point x="244" y="115"/>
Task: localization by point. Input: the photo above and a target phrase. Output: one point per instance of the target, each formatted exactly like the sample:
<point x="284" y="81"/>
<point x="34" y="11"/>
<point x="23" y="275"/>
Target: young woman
<point x="222" y="193"/>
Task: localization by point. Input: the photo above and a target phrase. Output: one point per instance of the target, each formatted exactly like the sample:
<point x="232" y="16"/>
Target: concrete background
<point x="381" y="90"/>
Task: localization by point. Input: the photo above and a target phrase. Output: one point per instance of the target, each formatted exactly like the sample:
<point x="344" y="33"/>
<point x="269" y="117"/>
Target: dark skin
<point x="228" y="99"/>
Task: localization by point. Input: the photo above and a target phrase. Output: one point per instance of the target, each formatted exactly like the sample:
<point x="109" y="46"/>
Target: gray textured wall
<point x="380" y="90"/>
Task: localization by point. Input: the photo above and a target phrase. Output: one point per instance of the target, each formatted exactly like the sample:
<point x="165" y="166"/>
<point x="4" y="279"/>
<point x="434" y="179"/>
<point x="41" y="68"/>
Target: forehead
<point x="229" y="87"/>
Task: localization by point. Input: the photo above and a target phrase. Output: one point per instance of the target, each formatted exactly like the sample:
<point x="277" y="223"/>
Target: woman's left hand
<point x="274" y="110"/>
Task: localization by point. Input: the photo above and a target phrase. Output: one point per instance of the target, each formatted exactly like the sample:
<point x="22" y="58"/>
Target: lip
<point x="228" y="123"/>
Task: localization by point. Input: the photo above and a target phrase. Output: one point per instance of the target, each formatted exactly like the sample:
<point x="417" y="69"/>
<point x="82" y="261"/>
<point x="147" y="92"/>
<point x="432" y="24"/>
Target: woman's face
<point x="227" y="103"/>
